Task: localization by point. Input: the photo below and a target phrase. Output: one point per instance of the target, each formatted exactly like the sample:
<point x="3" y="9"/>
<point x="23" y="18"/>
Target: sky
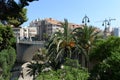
<point x="74" y="10"/>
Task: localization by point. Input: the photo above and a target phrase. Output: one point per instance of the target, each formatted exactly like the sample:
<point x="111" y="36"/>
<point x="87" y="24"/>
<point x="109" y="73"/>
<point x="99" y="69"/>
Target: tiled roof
<point x="52" y="21"/>
<point x="56" y="22"/>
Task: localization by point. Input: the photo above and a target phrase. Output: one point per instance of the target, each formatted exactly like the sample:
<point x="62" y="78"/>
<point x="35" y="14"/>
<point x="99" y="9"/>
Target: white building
<point x="25" y="33"/>
<point x="18" y="32"/>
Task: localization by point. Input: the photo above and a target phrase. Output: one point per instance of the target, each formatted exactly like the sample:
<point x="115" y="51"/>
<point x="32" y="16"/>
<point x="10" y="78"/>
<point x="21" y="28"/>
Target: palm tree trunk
<point x="87" y="60"/>
<point x="83" y="60"/>
<point x="88" y="63"/>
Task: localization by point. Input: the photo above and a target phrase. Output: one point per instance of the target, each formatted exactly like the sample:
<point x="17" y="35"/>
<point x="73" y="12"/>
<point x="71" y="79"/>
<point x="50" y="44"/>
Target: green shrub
<point x="106" y="58"/>
<point x="70" y="71"/>
<point x="104" y="48"/>
<point x="109" y="69"/>
<point x="7" y="38"/>
<point x="7" y="59"/>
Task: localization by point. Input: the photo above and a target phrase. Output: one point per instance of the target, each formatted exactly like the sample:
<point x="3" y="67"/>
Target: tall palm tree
<point x="60" y="45"/>
<point x="85" y="37"/>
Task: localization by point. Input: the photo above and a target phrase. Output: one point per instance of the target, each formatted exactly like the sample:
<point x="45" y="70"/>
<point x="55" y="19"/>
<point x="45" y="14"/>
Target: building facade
<point x="116" y="32"/>
<point x="46" y="27"/>
<point x="25" y="33"/>
<point x="41" y="29"/>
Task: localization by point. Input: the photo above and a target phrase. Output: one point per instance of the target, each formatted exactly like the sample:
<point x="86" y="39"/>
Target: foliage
<point x="108" y="69"/>
<point x="68" y="72"/>
<point x="60" y="46"/>
<point x="38" y="64"/>
<point x="34" y="69"/>
<point x="40" y="55"/>
<point x="11" y="8"/>
<point x="7" y="59"/>
<point x="17" y="19"/>
<point x="107" y="55"/>
<point x="7" y="53"/>
<point x="104" y="48"/>
<point x="85" y="39"/>
<point x="6" y="37"/>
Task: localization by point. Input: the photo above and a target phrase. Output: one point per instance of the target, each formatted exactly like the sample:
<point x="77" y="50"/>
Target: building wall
<point x="25" y="33"/>
<point x="48" y="26"/>
<point x="45" y="27"/>
<point x="116" y="32"/>
<point x="26" y="50"/>
<point x="18" y="32"/>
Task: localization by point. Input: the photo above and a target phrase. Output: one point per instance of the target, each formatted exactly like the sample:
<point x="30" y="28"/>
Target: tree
<point x="34" y="69"/>
<point x="7" y="52"/>
<point x="7" y="59"/>
<point x="6" y="37"/>
<point x="39" y="60"/>
<point x="107" y="57"/>
<point x="17" y="19"/>
<point x="11" y="8"/>
<point x="85" y="38"/>
<point x="60" y="46"/>
<point x="104" y="48"/>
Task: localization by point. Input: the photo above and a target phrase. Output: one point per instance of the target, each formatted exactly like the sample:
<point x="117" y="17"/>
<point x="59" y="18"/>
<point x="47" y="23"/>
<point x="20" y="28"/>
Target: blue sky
<point x="75" y="10"/>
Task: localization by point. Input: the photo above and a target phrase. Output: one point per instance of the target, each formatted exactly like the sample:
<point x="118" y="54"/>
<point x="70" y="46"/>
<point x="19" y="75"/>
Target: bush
<point x="71" y="71"/>
<point x="107" y="60"/>
<point x="109" y="69"/>
<point x="104" y="48"/>
<point x="68" y="73"/>
<point x="7" y="59"/>
<point x="7" y="38"/>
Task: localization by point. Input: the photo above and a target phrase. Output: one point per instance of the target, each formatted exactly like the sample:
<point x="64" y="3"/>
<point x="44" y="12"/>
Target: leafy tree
<point x="108" y="69"/>
<point x="17" y="19"/>
<point x="10" y="9"/>
<point x="85" y="38"/>
<point x="104" y="48"/>
<point x="6" y="37"/>
<point x="7" y="59"/>
<point x="7" y="53"/>
<point x="107" y="55"/>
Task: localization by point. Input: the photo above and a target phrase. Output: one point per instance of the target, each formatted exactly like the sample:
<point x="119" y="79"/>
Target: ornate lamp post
<point x="106" y="31"/>
<point x="105" y="23"/>
<point x="85" y="20"/>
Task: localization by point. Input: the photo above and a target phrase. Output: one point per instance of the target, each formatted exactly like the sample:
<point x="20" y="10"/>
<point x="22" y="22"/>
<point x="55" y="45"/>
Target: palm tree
<point x="40" y="56"/>
<point x="60" y="45"/>
<point x="38" y="64"/>
<point x="34" y="69"/>
<point x="85" y="37"/>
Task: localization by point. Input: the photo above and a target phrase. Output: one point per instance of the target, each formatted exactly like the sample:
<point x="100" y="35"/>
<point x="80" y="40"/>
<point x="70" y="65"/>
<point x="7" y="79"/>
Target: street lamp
<point x="105" y="23"/>
<point x="85" y="20"/>
<point x="110" y="21"/>
<point x="106" y="31"/>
